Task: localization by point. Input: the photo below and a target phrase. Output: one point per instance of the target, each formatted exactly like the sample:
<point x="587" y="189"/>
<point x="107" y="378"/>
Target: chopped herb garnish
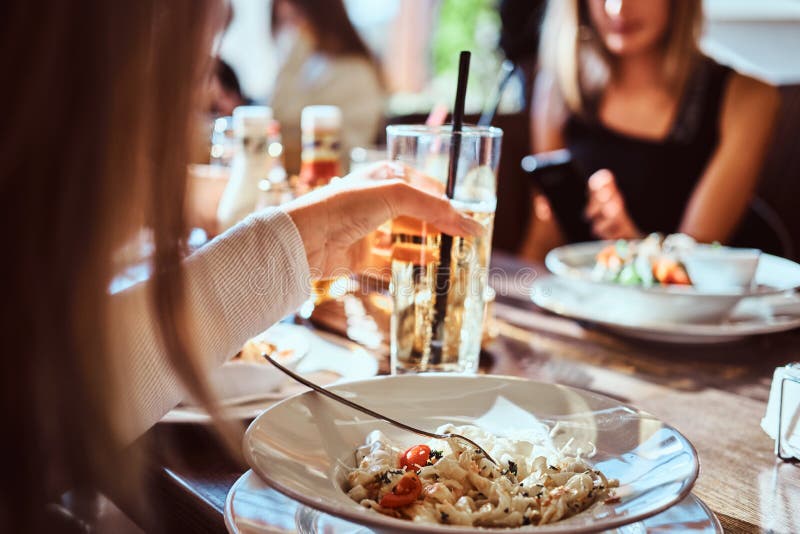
<point x="436" y="454"/>
<point x="512" y="467"/>
<point x="552" y="467"/>
<point x="384" y="477"/>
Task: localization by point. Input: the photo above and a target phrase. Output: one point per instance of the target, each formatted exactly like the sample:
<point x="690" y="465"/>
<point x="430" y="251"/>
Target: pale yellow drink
<point x="417" y="345"/>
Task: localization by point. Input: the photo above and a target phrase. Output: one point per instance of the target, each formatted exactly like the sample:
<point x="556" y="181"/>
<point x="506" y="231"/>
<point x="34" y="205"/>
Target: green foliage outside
<point x="467" y="25"/>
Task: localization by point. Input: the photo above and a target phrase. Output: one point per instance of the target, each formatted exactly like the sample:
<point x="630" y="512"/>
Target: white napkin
<point x="790" y="425"/>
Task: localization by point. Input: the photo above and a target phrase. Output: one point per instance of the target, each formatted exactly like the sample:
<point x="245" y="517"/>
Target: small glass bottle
<point x="223" y="142"/>
<point x="251" y="164"/>
<point x="320" y="162"/>
<point x="320" y="159"/>
<point x="274" y="190"/>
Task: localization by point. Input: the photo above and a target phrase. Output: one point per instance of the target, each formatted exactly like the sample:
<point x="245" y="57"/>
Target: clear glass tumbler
<point x="438" y="307"/>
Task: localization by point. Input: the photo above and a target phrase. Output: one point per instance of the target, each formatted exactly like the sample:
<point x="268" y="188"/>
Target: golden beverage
<point x="320" y="290"/>
<point x="420" y="341"/>
<point x="319" y="164"/>
<point x="373" y="262"/>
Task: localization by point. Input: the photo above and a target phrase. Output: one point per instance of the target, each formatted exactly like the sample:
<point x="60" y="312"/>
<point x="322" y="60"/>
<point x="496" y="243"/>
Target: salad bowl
<point x="639" y="304"/>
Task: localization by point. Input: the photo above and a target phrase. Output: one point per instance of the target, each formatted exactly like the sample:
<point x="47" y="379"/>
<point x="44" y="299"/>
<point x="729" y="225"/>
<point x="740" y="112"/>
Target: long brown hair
<point x="572" y="55"/>
<point x="334" y="34"/>
<point x="95" y="142"/>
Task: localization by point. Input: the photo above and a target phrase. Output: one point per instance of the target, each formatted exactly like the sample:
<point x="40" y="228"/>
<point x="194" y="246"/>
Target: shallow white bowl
<point x="751" y="317"/>
<point x="304" y="446"/>
<point x="671" y="303"/>
<point x="252" y="507"/>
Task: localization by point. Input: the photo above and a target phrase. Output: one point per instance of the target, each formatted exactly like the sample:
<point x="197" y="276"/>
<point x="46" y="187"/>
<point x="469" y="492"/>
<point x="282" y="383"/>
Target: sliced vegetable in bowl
<point x="649" y="277"/>
<point x="651" y="261"/>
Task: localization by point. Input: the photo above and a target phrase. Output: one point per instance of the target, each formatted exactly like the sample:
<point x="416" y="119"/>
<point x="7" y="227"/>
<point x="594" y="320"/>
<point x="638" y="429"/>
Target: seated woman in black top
<point x="668" y="139"/>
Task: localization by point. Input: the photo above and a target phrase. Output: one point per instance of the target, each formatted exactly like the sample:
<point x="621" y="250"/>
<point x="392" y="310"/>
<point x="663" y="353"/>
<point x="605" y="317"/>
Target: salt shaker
<point x="782" y="419"/>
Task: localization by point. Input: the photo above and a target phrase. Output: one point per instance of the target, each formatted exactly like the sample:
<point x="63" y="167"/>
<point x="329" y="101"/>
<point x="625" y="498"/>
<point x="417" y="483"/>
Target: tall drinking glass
<point x="438" y="309"/>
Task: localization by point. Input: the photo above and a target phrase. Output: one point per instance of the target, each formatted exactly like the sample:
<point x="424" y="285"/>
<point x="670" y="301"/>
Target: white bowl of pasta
<point x="568" y="460"/>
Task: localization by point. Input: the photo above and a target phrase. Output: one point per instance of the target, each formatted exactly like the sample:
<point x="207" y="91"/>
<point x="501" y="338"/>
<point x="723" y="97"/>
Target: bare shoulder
<point x="746" y="96"/>
<point x="548" y="113"/>
<point x="547" y="102"/>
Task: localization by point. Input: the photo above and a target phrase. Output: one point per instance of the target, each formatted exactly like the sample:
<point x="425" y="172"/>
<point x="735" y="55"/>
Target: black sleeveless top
<point x="657" y="177"/>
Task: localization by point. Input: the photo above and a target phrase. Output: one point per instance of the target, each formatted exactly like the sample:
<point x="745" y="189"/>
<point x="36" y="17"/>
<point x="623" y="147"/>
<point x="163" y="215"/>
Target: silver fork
<point x="376" y="415"/>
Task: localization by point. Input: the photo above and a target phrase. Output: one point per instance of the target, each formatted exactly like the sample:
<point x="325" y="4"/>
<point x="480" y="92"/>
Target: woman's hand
<point x="606" y="208"/>
<point x="334" y="220"/>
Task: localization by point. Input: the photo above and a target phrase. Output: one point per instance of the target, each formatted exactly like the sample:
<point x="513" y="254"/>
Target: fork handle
<point x="376" y="415"/>
<point x="351" y="404"/>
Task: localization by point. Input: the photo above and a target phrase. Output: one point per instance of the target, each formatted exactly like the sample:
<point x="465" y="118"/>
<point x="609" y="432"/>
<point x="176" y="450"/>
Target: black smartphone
<point x="561" y="180"/>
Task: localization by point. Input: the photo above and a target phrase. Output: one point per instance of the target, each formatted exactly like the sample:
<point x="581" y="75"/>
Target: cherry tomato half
<point x="415" y="457"/>
<point x="679" y="276"/>
<point x="404" y="493"/>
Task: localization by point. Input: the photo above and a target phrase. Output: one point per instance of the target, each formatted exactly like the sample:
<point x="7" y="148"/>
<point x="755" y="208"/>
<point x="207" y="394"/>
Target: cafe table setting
<point x="710" y="398"/>
<point x="628" y="386"/>
<point x="674" y="431"/>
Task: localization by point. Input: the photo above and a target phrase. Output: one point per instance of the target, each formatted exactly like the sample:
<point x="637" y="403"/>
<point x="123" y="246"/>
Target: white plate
<point x="241" y="380"/>
<point x="751" y="317"/>
<point x="252" y="507"/>
<point x="329" y="359"/>
<point x="304" y="445"/>
<point x="670" y="303"/>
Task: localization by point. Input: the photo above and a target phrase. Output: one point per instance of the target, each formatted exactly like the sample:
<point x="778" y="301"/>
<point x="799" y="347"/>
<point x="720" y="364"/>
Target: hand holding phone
<point x="562" y="181"/>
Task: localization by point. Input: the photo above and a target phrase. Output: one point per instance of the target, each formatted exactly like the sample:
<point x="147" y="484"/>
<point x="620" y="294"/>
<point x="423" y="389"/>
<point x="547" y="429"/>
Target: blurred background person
<point x="225" y="93"/>
<point x="325" y="62"/>
<point x="666" y="139"/>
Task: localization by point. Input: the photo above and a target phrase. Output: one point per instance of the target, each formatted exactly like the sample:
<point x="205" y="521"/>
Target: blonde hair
<point x="99" y="130"/>
<point x="574" y="57"/>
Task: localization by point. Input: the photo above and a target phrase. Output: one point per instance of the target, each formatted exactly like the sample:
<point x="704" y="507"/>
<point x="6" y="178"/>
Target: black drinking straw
<point x="446" y="245"/>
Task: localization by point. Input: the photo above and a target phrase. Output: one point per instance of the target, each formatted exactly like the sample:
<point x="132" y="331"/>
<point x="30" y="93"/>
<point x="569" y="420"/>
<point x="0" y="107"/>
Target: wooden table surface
<point x="715" y="395"/>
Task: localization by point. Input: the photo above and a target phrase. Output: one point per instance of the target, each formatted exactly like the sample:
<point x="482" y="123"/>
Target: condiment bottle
<point x="320" y="159"/>
<point x="274" y="190"/>
<point x="251" y="164"/>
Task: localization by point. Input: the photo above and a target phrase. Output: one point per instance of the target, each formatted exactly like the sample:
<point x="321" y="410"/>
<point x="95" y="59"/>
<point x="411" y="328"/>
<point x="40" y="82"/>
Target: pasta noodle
<point x="534" y="485"/>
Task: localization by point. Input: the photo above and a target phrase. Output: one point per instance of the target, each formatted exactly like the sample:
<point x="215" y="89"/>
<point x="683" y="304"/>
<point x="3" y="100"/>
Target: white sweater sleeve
<point x="236" y="286"/>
